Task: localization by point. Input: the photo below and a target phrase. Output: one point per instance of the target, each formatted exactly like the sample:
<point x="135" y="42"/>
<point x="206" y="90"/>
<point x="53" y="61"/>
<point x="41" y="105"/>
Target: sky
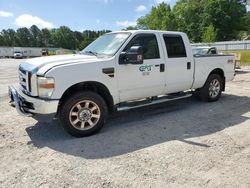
<point x="77" y="14"/>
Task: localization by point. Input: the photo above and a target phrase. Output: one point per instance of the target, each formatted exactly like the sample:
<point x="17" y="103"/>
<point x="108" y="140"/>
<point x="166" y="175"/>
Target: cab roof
<point x="148" y="31"/>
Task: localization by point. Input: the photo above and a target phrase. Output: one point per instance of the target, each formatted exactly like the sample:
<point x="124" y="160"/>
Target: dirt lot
<point x="185" y="143"/>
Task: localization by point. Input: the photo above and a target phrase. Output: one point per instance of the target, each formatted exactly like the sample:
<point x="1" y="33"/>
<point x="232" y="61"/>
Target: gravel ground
<point x="185" y="143"/>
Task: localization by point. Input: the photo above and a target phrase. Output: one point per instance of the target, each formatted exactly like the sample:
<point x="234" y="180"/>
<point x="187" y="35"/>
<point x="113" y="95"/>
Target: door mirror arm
<point x="123" y="59"/>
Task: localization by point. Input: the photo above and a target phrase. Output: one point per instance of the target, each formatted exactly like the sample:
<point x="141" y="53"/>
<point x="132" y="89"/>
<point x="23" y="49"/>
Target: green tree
<point x="24" y="36"/>
<point x="78" y="38"/>
<point x="131" y="28"/>
<point x="244" y="34"/>
<point x="9" y="37"/>
<point x="90" y="36"/>
<point x="45" y="38"/>
<point x="64" y="38"/>
<point x="2" y="42"/>
<point x="35" y="35"/>
<point x="160" y="18"/>
<point x="228" y="17"/>
<point x="225" y="16"/>
<point x="209" y="35"/>
<point x="85" y="43"/>
<point x="188" y="16"/>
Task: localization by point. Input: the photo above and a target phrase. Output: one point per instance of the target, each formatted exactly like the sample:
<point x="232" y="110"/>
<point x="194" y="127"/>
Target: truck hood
<point x="42" y="64"/>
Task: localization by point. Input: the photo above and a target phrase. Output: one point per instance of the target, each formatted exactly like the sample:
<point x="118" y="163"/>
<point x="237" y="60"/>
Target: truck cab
<point x="119" y="71"/>
<point x="18" y="55"/>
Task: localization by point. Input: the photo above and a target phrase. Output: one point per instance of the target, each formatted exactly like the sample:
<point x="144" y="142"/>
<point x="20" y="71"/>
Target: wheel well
<point x="219" y="72"/>
<point x="97" y="87"/>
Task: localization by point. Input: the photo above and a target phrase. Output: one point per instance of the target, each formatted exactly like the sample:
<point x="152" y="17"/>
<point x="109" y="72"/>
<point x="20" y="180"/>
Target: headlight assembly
<point x="45" y="87"/>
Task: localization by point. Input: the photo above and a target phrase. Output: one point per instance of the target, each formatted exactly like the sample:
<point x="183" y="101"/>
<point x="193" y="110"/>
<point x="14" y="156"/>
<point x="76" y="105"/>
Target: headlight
<point x="45" y="86"/>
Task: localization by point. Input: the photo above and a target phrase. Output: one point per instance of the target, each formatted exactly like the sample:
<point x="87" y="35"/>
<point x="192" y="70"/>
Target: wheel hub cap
<point x="214" y="88"/>
<point x="85" y="115"/>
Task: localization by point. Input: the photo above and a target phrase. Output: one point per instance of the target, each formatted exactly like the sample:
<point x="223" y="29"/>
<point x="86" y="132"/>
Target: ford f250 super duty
<point x="118" y="71"/>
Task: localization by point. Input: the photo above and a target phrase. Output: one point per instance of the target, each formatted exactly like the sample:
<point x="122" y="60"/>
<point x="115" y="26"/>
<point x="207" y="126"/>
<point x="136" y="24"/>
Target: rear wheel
<point x="83" y="114"/>
<point x="212" y="89"/>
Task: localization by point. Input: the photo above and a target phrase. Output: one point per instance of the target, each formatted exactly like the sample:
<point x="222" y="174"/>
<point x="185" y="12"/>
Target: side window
<point x="149" y="44"/>
<point x="175" y="46"/>
<point x="212" y="51"/>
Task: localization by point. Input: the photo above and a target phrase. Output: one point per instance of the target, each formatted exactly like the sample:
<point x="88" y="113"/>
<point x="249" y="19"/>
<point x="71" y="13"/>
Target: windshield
<point x="107" y="44"/>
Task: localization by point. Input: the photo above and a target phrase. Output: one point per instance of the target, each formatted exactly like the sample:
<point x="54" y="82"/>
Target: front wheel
<point x="83" y="114"/>
<point x="212" y="89"/>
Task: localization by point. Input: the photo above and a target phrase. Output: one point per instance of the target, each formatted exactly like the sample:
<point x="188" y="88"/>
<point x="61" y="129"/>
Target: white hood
<point x="42" y="64"/>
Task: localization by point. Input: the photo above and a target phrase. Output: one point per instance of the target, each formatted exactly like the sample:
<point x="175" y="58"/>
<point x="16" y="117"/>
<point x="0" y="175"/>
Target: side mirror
<point x="133" y="56"/>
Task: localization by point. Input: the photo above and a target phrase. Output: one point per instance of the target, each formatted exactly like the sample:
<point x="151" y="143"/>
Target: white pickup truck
<point x="118" y="71"/>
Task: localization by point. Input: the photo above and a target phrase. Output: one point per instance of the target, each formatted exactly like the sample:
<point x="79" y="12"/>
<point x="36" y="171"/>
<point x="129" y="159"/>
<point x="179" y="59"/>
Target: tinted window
<point x="175" y="46"/>
<point x="212" y="51"/>
<point x="149" y="44"/>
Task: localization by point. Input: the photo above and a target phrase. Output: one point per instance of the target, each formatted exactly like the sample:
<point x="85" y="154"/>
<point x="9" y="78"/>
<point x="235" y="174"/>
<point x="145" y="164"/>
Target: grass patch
<point x="245" y="56"/>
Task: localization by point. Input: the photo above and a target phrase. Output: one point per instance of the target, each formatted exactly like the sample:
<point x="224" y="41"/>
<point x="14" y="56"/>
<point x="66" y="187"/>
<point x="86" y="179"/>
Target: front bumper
<point x="28" y="106"/>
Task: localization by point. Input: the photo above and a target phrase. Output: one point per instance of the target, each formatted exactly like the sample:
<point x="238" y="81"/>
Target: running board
<point x="152" y="101"/>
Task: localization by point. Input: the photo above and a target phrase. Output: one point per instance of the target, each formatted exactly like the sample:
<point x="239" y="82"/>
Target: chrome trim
<point x="17" y="102"/>
<point x="28" y="79"/>
<point x="22" y="79"/>
<point x="40" y="106"/>
<point x="27" y="82"/>
<point x="22" y="73"/>
<point x="33" y="81"/>
<point x="28" y="67"/>
<point x="23" y="83"/>
<point x="158" y="101"/>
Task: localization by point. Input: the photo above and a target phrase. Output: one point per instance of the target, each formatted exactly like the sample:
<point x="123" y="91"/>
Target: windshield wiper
<point x="91" y="52"/>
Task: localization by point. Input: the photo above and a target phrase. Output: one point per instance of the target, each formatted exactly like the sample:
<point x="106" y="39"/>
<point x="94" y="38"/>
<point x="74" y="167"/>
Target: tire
<point x="83" y="114"/>
<point x="196" y="94"/>
<point x="212" y="89"/>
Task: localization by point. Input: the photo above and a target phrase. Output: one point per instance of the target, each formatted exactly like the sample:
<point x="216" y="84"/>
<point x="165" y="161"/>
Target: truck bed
<point x="204" y="64"/>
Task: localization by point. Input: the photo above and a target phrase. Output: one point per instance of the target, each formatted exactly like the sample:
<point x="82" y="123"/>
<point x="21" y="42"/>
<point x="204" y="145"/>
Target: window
<point x="149" y="44"/>
<point x="107" y="44"/>
<point x="212" y="51"/>
<point x="175" y="46"/>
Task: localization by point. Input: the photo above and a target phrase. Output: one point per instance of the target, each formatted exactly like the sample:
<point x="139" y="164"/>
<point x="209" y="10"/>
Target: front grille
<point x="24" y="80"/>
<point x="29" y="81"/>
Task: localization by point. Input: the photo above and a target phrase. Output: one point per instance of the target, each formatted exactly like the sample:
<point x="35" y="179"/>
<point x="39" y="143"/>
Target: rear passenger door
<point x="179" y="66"/>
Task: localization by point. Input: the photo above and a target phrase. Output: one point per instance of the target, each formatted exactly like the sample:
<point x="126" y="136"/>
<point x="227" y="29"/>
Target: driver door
<point x="143" y="80"/>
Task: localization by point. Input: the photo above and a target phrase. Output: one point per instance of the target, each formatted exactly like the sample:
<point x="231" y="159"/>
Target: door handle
<point x="188" y="65"/>
<point x="162" y="67"/>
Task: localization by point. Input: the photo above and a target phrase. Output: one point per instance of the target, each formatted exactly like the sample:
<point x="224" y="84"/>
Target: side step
<point x="153" y="100"/>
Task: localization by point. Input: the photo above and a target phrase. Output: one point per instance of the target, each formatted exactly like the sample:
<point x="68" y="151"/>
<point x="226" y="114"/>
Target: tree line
<point x="202" y="20"/>
<point x="62" y="37"/>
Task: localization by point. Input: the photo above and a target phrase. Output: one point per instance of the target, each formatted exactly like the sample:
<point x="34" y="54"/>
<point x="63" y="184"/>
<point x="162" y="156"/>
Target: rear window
<point x="175" y="46"/>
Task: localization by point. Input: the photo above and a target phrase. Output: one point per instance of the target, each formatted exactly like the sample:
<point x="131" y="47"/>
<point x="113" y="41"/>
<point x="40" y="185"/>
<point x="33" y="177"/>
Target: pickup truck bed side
<point x="204" y="65"/>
